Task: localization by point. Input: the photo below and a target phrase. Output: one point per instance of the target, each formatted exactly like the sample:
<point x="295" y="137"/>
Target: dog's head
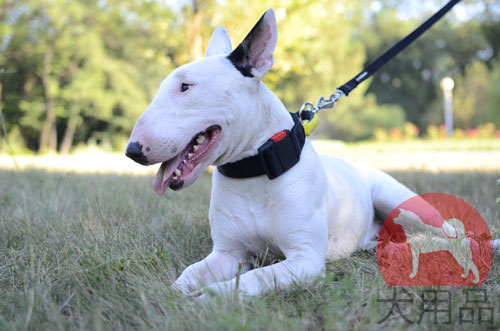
<point x="202" y="106"/>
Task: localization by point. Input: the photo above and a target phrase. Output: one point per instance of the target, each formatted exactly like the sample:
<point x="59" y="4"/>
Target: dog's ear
<point x="254" y="56"/>
<point x="219" y="44"/>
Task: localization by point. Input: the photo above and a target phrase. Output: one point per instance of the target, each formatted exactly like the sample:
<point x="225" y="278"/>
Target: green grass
<point x="84" y="251"/>
<point x="453" y="144"/>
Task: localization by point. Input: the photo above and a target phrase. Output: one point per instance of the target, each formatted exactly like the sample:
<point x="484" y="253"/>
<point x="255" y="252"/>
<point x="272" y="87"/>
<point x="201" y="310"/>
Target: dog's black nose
<point x="134" y="151"/>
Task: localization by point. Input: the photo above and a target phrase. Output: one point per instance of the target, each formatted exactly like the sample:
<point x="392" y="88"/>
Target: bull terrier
<point x="216" y="111"/>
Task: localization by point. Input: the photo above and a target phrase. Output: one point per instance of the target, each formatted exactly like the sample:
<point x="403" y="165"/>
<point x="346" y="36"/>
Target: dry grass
<point x="99" y="251"/>
<point x="419" y="155"/>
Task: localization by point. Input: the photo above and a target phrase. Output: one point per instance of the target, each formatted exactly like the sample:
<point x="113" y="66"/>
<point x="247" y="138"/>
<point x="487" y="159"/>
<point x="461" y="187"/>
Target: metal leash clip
<point x="307" y="113"/>
<point x="321" y="104"/>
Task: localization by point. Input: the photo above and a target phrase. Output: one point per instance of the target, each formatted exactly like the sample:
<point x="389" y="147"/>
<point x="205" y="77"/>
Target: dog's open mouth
<point x="186" y="165"/>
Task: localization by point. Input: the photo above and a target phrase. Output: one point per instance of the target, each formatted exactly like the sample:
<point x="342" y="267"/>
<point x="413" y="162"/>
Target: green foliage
<point x="99" y="72"/>
<point x="450" y="48"/>
<point x="14" y="144"/>
<point x="355" y="123"/>
<point x="477" y="96"/>
<point x="80" y="71"/>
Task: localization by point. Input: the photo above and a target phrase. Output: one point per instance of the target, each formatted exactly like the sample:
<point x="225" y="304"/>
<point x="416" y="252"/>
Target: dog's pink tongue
<point x="158" y="181"/>
<point x="164" y="176"/>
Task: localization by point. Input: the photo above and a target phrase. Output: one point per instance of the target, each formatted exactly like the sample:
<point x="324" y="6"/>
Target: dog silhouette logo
<point x="434" y="239"/>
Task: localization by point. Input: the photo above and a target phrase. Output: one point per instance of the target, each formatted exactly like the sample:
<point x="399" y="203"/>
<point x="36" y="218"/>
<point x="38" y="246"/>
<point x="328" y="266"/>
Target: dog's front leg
<point x="217" y="266"/>
<point x="303" y="241"/>
<point x="296" y="269"/>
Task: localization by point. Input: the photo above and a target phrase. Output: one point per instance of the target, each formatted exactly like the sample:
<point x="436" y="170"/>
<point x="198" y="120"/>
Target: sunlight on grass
<point x="420" y="155"/>
<point x="455" y="144"/>
<point x="83" y="162"/>
<point x="433" y="156"/>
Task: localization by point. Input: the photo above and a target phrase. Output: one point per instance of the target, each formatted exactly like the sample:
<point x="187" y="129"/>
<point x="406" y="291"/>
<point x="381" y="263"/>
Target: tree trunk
<point x="48" y="135"/>
<point x="28" y="86"/>
<point x="194" y="31"/>
<point x="3" y="129"/>
<point x="67" y="140"/>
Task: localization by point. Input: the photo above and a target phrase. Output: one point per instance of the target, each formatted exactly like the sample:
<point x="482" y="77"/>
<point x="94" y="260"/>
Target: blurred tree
<point x="317" y="51"/>
<point x="83" y="71"/>
<point x="411" y="80"/>
<point x="477" y="96"/>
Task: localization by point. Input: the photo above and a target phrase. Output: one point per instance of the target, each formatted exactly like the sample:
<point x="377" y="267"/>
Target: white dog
<point x="217" y="111"/>
<point x="452" y="239"/>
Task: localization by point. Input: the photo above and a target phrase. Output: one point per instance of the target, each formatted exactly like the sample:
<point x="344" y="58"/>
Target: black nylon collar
<point x="274" y="157"/>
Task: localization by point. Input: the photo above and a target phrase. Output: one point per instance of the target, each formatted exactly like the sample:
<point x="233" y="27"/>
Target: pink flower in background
<point x="471" y="132"/>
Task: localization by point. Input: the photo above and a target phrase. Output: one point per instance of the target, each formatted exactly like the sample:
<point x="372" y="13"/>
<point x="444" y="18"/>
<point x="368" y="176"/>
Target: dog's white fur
<point x="452" y="239"/>
<point x="324" y="207"/>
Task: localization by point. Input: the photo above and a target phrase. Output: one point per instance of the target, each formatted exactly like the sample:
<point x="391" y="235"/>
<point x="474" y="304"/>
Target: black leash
<point x="308" y="110"/>
<point x="394" y="50"/>
<point x="282" y="151"/>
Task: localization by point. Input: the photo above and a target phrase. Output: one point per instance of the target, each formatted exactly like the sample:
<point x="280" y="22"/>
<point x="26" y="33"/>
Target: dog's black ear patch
<point x="255" y="51"/>
<point x="240" y="57"/>
<point x="254" y="56"/>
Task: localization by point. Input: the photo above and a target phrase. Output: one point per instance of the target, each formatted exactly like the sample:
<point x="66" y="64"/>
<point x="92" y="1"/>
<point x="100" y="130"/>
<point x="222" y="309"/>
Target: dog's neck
<point x="268" y="117"/>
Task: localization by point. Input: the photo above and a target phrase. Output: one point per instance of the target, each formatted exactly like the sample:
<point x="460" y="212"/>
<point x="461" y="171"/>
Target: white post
<point x="447" y="85"/>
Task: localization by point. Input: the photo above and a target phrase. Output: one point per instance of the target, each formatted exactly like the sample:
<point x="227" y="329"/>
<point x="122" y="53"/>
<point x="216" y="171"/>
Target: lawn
<point x="99" y="251"/>
<point x="453" y="144"/>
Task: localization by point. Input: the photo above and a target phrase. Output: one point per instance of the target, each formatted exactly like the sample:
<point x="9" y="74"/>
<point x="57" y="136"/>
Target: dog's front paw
<point x="209" y="295"/>
<point x="195" y="294"/>
<point x="227" y="290"/>
<point x="185" y="289"/>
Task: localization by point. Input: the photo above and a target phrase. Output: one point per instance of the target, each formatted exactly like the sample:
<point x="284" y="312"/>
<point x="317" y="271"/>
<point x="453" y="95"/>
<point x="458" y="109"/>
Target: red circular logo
<point x="434" y="239"/>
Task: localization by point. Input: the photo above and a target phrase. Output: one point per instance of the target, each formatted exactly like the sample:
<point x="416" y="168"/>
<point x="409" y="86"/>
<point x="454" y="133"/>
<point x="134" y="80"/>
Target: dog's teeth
<point x="189" y="155"/>
<point x="195" y="147"/>
<point x="178" y="172"/>
<point x="200" y="139"/>
<point x="175" y="178"/>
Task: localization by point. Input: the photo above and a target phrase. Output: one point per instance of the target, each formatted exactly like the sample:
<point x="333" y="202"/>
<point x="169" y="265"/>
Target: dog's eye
<point x="185" y="87"/>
